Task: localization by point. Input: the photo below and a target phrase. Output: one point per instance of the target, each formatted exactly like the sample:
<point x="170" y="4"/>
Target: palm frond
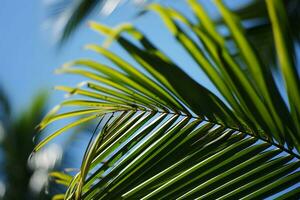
<point x="164" y="135"/>
<point x="76" y="11"/>
<point x="254" y="16"/>
<point x="4" y="104"/>
<point x="80" y="11"/>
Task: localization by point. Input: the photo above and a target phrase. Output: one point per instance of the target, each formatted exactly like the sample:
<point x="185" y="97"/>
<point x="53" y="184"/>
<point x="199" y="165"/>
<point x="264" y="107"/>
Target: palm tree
<point x="166" y="136"/>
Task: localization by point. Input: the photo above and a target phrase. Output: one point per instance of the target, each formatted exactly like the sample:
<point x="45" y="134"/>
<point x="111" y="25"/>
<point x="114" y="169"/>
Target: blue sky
<point x="29" y="55"/>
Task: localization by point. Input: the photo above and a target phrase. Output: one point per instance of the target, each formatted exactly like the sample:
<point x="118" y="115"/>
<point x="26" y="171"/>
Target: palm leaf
<point x="166" y="136"/>
<point x="79" y="10"/>
<point x="260" y="31"/>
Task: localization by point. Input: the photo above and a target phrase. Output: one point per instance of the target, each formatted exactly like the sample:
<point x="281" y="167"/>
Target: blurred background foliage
<point x="24" y="175"/>
<point x="19" y="176"/>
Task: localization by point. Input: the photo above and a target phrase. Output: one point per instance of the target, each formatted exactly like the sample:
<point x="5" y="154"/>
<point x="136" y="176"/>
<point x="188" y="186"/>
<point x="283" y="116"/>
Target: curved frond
<point x="166" y="136"/>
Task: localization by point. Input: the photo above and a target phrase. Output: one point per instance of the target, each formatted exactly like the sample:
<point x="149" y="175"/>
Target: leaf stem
<point x="232" y="128"/>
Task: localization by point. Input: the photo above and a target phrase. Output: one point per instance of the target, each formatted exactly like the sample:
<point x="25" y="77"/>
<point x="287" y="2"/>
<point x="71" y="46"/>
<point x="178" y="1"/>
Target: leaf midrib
<point x="282" y="148"/>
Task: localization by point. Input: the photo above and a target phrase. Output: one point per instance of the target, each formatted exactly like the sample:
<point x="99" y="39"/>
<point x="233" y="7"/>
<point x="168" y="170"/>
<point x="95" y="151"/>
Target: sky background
<point x="29" y="54"/>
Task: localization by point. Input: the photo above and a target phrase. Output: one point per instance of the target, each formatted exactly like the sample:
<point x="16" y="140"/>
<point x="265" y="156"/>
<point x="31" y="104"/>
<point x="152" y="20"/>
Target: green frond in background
<point x="164" y="135"/>
<point x="258" y="28"/>
<point x="16" y="145"/>
<point x="76" y="11"/>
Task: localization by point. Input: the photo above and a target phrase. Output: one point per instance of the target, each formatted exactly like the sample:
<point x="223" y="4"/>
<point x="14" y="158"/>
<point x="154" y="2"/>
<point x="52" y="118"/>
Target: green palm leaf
<point x="165" y="136"/>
